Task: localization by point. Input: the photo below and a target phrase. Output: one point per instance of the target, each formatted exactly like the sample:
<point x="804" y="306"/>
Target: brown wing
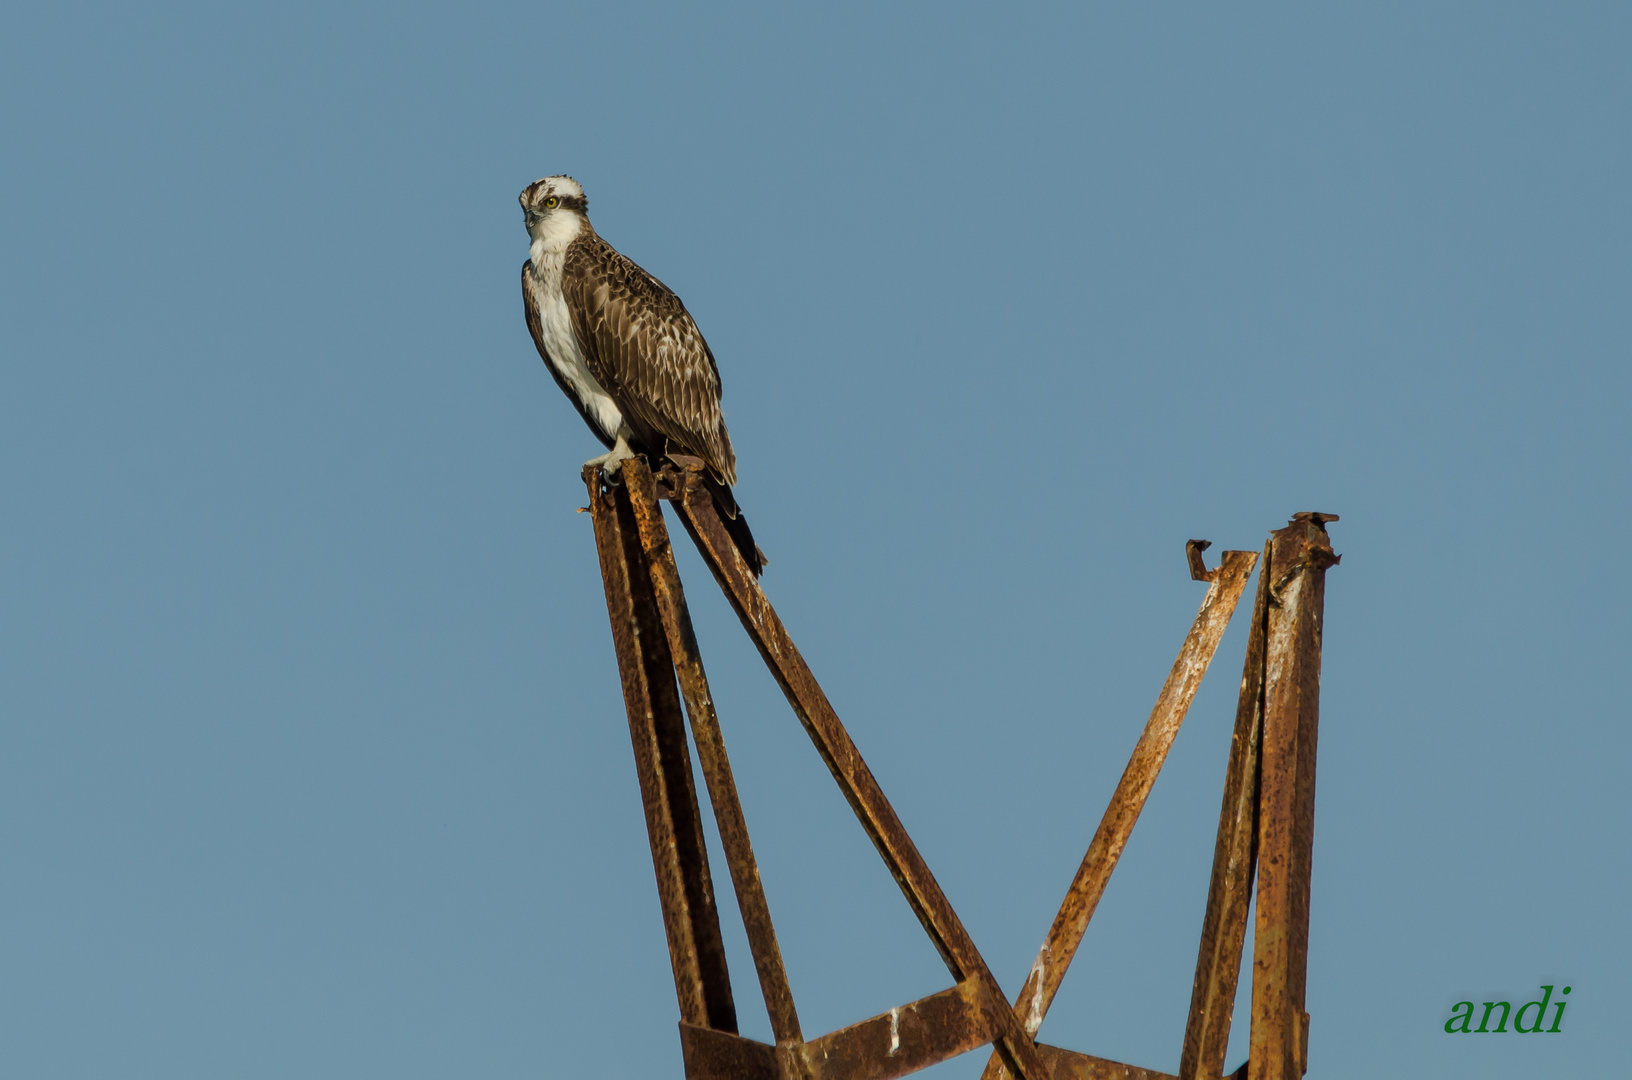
<point x="642" y="346"/>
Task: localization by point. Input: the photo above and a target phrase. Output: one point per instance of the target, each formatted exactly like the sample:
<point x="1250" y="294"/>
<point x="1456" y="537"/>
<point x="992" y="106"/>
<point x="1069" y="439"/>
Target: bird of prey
<point x="624" y="350"/>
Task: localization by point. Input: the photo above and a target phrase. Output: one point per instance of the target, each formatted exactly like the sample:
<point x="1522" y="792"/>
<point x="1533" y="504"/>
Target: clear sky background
<point x="313" y="762"/>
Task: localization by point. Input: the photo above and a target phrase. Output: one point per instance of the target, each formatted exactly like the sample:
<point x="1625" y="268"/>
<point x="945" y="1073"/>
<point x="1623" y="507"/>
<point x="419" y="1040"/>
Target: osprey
<point x="624" y="349"/>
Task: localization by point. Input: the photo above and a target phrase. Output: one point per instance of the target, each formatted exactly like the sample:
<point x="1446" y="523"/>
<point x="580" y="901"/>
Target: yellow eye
<point x="551" y="203"/>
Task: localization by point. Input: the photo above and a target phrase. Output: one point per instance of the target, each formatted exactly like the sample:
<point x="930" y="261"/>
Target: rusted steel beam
<point x="892" y="1044"/>
<point x="1070" y="1065"/>
<point x="716" y="1055"/>
<point x="1300" y="556"/>
<point x="906" y="1039"/>
<point x="663" y="765"/>
<point x="1224" y="927"/>
<point x="1149" y="753"/>
<point x="844" y="761"/>
<point x="705" y="727"/>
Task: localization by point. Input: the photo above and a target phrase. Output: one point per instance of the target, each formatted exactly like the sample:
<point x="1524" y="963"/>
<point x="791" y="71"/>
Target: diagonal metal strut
<point x="1149" y="754"/>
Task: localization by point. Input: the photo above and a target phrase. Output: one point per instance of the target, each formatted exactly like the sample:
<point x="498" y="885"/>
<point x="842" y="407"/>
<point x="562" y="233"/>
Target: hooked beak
<point x="532" y="216"/>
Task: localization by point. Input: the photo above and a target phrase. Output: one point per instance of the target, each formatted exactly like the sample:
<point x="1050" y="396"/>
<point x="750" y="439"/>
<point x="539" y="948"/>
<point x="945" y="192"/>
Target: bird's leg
<point x="612" y="461"/>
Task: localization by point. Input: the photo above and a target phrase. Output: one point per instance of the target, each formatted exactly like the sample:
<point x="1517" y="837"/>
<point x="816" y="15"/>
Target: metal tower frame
<point x="1266" y="824"/>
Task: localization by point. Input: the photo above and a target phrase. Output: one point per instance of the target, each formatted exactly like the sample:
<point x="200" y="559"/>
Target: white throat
<point x="551" y="237"/>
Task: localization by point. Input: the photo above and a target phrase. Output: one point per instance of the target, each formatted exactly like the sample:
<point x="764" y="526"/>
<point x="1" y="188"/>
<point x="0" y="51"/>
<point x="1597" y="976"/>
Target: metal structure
<point x="1265" y="825"/>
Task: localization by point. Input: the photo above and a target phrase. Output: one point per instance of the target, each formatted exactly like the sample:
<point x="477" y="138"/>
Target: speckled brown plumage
<point x="642" y="346"/>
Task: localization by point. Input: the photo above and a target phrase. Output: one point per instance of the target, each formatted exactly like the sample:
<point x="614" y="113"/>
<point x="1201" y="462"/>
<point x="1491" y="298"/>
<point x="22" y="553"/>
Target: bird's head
<point x="554" y="205"/>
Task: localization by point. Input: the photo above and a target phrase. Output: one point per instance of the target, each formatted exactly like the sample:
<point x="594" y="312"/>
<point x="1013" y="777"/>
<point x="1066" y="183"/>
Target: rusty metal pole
<point x="722" y="787"/>
<point x="1224" y="926"/>
<point x="663" y="764"/>
<point x="1300" y="555"/>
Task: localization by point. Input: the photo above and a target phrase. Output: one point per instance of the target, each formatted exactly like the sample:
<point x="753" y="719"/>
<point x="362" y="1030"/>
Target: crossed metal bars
<point x="1266" y="823"/>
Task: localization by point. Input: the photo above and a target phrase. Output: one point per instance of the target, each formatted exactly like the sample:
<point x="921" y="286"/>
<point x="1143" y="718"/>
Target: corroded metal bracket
<point x="1267" y="815"/>
<point x="1198" y="566"/>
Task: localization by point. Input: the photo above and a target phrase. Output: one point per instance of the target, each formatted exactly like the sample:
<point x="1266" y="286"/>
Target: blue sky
<point x="313" y="762"/>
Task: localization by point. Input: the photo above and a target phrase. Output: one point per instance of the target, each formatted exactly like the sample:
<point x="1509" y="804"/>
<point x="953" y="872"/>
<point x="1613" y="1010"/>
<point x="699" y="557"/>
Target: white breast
<point x="562" y="345"/>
